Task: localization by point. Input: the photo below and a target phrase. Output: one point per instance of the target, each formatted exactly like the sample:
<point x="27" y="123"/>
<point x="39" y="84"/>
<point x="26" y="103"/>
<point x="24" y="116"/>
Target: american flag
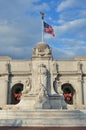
<point x="48" y="29"/>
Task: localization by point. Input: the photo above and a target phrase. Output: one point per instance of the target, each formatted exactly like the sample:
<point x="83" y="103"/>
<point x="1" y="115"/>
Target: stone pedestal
<point x="43" y="105"/>
<point x="27" y="102"/>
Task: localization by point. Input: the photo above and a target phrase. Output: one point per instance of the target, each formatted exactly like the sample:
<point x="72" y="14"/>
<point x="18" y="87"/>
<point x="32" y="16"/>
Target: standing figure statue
<point x="42" y="100"/>
<point x="42" y="83"/>
<point x="42" y="96"/>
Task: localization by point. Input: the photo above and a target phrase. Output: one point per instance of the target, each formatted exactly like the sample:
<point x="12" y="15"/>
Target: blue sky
<point x="20" y="27"/>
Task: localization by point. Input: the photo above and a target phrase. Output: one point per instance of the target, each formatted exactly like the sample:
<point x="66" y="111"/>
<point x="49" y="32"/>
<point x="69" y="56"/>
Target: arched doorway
<point x="68" y="92"/>
<point x="16" y="93"/>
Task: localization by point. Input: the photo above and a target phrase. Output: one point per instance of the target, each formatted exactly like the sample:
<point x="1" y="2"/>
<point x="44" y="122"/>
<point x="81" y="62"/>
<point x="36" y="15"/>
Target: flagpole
<point x="42" y="16"/>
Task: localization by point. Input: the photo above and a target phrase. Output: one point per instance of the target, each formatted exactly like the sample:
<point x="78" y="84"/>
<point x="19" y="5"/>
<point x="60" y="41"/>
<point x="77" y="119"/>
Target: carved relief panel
<point x="27" y="86"/>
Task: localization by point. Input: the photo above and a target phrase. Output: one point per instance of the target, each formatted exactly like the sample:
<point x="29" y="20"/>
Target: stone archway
<point x="16" y="93"/>
<point x="68" y="92"/>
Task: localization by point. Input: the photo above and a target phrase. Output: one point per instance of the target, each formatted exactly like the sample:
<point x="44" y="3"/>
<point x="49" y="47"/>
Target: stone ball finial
<point x="42" y="46"/>
<point x="42" y="50"/>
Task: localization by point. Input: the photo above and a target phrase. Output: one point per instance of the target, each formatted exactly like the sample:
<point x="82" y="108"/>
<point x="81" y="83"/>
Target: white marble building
<point x="42" y="82"/>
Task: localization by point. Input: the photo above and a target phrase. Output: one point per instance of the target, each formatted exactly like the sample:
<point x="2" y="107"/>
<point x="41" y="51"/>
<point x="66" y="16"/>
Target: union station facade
<point x="43" y="82"/>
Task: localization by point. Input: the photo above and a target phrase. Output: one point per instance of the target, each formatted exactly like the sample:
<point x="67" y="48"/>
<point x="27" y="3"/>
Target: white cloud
<point x="69" y="48"/>
<point x="42" y="7"/>
<point x="16" y="52"/>
<point x="82" y="13"/>
<point x="20" y="8"/>
<point x="16" y="37"/>
<point x="8" y="34"/>
<point x="69" y="39"/>
<point x="71" y="43"/>
<point x="20" y="26"/>
<point x="62" y="54"/>
<point x="76" y="27"/>
<point x="66" y="4"/>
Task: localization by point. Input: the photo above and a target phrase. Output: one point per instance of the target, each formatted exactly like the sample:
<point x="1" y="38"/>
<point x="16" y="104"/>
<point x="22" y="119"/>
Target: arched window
<point x="16" y="93"/>
<point x="68" y="92"/>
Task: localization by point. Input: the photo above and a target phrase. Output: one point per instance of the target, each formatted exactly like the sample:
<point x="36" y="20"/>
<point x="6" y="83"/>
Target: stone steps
<point x="41" y="113"/>
<point x="42" y="118"/>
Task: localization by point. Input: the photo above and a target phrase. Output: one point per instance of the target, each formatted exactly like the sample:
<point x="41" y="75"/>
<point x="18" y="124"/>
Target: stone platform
<point x="43" y="118"/>
<point x="42" y="128"/>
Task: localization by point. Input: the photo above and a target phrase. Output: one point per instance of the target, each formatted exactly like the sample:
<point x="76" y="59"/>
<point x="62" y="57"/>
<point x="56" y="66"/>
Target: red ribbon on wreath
<point x="17" y="96"/>
<point x="68" y="96"/>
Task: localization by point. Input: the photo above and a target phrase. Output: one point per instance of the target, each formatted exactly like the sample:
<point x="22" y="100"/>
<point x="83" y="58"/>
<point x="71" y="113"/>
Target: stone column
<point x="84" y="84"/>
<point x="3" y="92"/>
<point x="9" y="93"/>
<point x="79" y="93"/>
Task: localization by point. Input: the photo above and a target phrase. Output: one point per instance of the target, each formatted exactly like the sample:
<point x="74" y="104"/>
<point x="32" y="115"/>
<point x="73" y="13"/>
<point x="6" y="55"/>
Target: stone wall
<point x="58" y="73"/>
